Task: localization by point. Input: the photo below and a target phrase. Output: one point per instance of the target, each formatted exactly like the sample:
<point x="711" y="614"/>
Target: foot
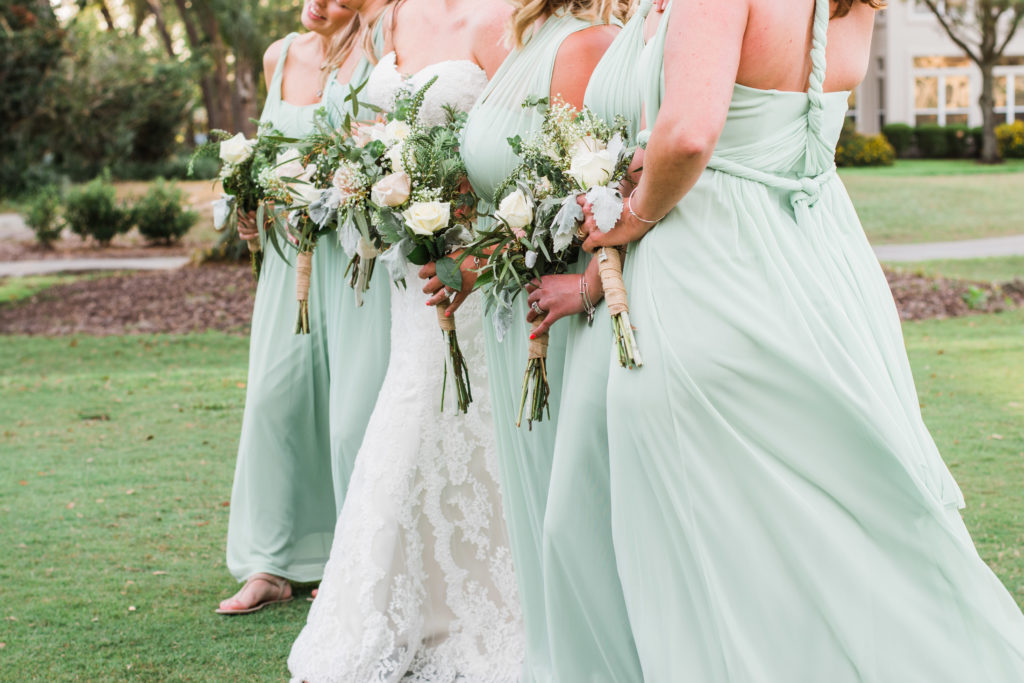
<point x="259" y="591"/>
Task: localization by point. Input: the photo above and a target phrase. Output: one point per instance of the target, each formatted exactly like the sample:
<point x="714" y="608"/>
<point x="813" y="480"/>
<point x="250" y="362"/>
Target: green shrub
<point x="160" y="216"/>
<point x="1010" y="137"/>
<point x="958" y="140"/>
<point x="900" y="136"/>
<point x="42" y="214"/>
<point x="932" y="141"/>
<point x="855" y="149"/>
<point x="92" y="211"/>
<point x="977" y="135"/>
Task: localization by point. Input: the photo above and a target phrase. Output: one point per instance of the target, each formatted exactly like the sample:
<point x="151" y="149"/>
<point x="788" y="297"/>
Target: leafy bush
<point x="92" y="210"/>
<point x="42" y="214"/>
<point x="900" y="136"/>
<point x="160" y="216"/>
<point x="958" y="140"/>
<point x="977" y="134"/>
<point x="932" y="141"/>
<point x="855" y="149"/>
<point x="174" y="168"/>
<point x="1010" y="137"/>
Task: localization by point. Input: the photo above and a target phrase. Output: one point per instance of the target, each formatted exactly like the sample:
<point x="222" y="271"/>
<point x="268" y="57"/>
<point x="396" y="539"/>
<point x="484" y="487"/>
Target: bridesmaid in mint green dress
<point x="589" y="631"/>
<point x="283" y="506"/>
<point x="525" y="455"/>
<point x="779" y="510"/>
<point x="358" y="337"/>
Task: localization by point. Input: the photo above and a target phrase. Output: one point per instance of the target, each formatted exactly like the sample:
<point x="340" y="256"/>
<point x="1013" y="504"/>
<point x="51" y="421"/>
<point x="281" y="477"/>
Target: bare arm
<point x="702" y="55"/>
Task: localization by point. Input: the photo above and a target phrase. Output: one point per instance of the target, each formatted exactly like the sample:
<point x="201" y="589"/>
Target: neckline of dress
<point x="391" y="59"/>
<point x="805" y="93"/>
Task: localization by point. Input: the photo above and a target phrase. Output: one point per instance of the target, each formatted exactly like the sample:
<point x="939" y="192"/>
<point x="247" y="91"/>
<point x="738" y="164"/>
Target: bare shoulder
<point x="271" y="57"/>
<point x="588" y="45"/>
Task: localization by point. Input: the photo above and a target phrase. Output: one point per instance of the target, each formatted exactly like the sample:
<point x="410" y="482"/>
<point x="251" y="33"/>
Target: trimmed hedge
<point x="1010" y="137"/>
<point x="160" y="215"/>
<point x="900" y="136"/>
<point x="93" y="211"/>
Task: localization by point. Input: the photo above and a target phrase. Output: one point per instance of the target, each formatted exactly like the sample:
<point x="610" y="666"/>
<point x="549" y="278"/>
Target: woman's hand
<point x="627" y="229"/>
<point x="660" y="5"/>
<point x="438" y="292"/>
<point x="557" y="296"/>
<point x="247" y="225"/>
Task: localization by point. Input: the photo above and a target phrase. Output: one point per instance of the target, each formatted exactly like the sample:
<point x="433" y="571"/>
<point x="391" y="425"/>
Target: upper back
<point x="776" y="56"/>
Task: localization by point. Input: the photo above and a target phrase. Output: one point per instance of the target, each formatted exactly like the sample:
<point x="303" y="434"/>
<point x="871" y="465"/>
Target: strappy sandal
<point x="282" y="586"/>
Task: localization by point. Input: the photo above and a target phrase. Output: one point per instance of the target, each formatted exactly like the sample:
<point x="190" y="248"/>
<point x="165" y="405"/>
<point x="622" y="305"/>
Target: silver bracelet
<point x="629" y="205"/>
<point x="588" y="305"/>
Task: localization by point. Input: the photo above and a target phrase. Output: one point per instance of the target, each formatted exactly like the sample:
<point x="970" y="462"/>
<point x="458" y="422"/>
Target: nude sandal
<point x="277" y="582"/>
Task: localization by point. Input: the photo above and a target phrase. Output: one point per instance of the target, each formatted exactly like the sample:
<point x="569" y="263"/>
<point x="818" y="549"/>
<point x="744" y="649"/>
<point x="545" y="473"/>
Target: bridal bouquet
<point x="535" y="232"/>
<point x="242" y="162"/>
<point x="423" y="208"/>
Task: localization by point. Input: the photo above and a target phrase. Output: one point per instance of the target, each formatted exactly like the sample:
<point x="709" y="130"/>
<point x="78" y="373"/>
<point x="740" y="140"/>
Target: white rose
<point x="426" y="218"/>
<point x="516" y="210"/>
<point x="392" y="190"/>
<point x="394" y="155"/>
<point x="365" y="133"/>
<point x="591" y="163"/>
<point x="236" y="150"/>
<point x="288" y="164"/>
<point x="304" y="194"/>
<point x="396" y="131"/>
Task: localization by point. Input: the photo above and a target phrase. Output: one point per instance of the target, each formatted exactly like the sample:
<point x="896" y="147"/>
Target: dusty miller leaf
<point x="566" y="220"/>
<point x="606" y="203"/>
<point x="348" y="235"/>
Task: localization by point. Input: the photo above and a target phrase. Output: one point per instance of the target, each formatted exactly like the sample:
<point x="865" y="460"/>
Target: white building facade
<point x="918" y="75"/>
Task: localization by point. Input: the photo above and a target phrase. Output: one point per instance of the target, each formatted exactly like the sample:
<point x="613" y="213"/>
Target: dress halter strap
<point x="816" y="82"/>
<point x="645" y="8"/>
<point x="275" y="83"/>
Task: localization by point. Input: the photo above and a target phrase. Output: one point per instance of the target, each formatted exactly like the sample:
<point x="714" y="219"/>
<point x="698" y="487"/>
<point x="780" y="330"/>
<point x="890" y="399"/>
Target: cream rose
<point x="426" y="218"/>
<point x="396" y="131"/>
<point x="288" y="164"/>
<point x="392" y="190"/>
<point x="395" y="156"/>
<point x="516" y="210"/>
<point x="304" y="194"/>
<point x="365" y="133"/>
<point x="236" y="150"/>
<point x="591" y="163"/>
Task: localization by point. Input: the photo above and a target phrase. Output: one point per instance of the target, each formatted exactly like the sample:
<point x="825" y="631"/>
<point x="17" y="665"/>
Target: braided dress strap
<point x="818" y="149"/>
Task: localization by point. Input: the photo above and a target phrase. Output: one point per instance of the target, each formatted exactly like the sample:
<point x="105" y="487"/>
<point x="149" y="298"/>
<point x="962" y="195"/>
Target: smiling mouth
<point x="313" y="13"/>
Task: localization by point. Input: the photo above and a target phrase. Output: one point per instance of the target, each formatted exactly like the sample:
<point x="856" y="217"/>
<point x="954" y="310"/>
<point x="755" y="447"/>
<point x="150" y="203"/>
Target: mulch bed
<point x="220" y="298"/>
<point x="73" y="248"/>
<point x="189" y="299"/>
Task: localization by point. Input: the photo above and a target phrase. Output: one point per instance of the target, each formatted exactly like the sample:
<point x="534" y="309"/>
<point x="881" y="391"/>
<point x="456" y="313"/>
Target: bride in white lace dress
<point x="420" y="585"/>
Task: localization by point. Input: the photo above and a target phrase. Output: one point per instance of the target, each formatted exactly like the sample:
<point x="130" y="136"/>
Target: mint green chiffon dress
<point x="283" y="506"/>
<point x="779" y="509"/>
<point x="358" y="337"/>
<point x="590" y="635"/>
<point x="524" y="454"/>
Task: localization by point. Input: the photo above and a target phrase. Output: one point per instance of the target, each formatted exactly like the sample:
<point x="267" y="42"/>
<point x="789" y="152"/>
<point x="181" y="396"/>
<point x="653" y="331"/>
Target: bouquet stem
<point x="459" y="368"/>
<point x="360" y="272"/>
<point x="255" y="256"/>
<point x="535" y="381"/>
<point x="303" y="271"/>
<point x="609" y="265"/>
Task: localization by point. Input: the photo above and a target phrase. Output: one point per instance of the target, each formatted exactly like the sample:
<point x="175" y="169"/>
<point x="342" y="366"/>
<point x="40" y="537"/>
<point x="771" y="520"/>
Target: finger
<point x="533" y="297"/>
<point x="593" y="242"/>
<point x="433" y="285"/>
<point x="437" y="298"/>
<point x="545" y="325"/>
<point x="457" y="301"/>
<point x="428" y="271"/>
<point x="533" y="285"/>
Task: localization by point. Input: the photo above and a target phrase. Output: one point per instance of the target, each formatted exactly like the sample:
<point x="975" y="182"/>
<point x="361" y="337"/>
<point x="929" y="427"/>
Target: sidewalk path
<point x="50" y="266"/>
<point x="935" y="251"/>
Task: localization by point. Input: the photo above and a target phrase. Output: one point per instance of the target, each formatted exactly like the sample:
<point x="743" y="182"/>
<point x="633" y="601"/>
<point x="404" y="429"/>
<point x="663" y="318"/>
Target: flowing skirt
<point x="779" y="509"/>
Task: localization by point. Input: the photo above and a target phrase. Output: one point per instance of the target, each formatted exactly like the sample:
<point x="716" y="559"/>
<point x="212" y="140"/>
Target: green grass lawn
<point x="115" y="475"/>
<point x="999" y="269"/>
<point x="907" y="204"/>
<point x="904" y="168"/>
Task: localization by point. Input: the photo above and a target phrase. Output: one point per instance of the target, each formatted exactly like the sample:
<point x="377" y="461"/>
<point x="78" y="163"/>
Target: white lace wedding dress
<point x="420" y="586"/>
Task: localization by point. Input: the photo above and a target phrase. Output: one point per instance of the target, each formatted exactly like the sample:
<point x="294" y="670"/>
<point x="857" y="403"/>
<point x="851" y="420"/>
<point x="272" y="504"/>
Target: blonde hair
<point x="843" y="7"/>
<point x="342" y="44"/>
<point x="527" y="12"/>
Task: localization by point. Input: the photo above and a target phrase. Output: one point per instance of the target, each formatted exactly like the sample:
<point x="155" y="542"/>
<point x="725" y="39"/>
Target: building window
<point x="942" y="90"/>
<point x="926" y="99"/>
<point x="1008" y="93"/>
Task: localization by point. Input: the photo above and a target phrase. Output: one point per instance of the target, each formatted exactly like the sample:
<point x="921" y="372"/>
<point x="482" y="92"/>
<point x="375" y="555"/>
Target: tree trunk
<point x="214" y="99"/>
<point x="244" y="97"/>
<point x="218" y="53"/>
<point x="989" y="147"/>
<point x="105" y="11"/>
<point x="161" y="27"/>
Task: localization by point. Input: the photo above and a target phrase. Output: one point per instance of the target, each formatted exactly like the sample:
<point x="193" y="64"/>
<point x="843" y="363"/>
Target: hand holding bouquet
<point x="538" y="216"/>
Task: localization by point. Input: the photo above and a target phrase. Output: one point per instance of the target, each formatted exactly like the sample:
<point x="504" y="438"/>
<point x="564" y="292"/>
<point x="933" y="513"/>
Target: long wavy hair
<point x="341" y="46"/>
<point x="843" y="6"/>
<point x="527" y="12"/>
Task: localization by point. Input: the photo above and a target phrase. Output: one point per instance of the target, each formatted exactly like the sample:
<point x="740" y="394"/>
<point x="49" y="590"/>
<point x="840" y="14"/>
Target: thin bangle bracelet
<point x="629" y="205"/>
